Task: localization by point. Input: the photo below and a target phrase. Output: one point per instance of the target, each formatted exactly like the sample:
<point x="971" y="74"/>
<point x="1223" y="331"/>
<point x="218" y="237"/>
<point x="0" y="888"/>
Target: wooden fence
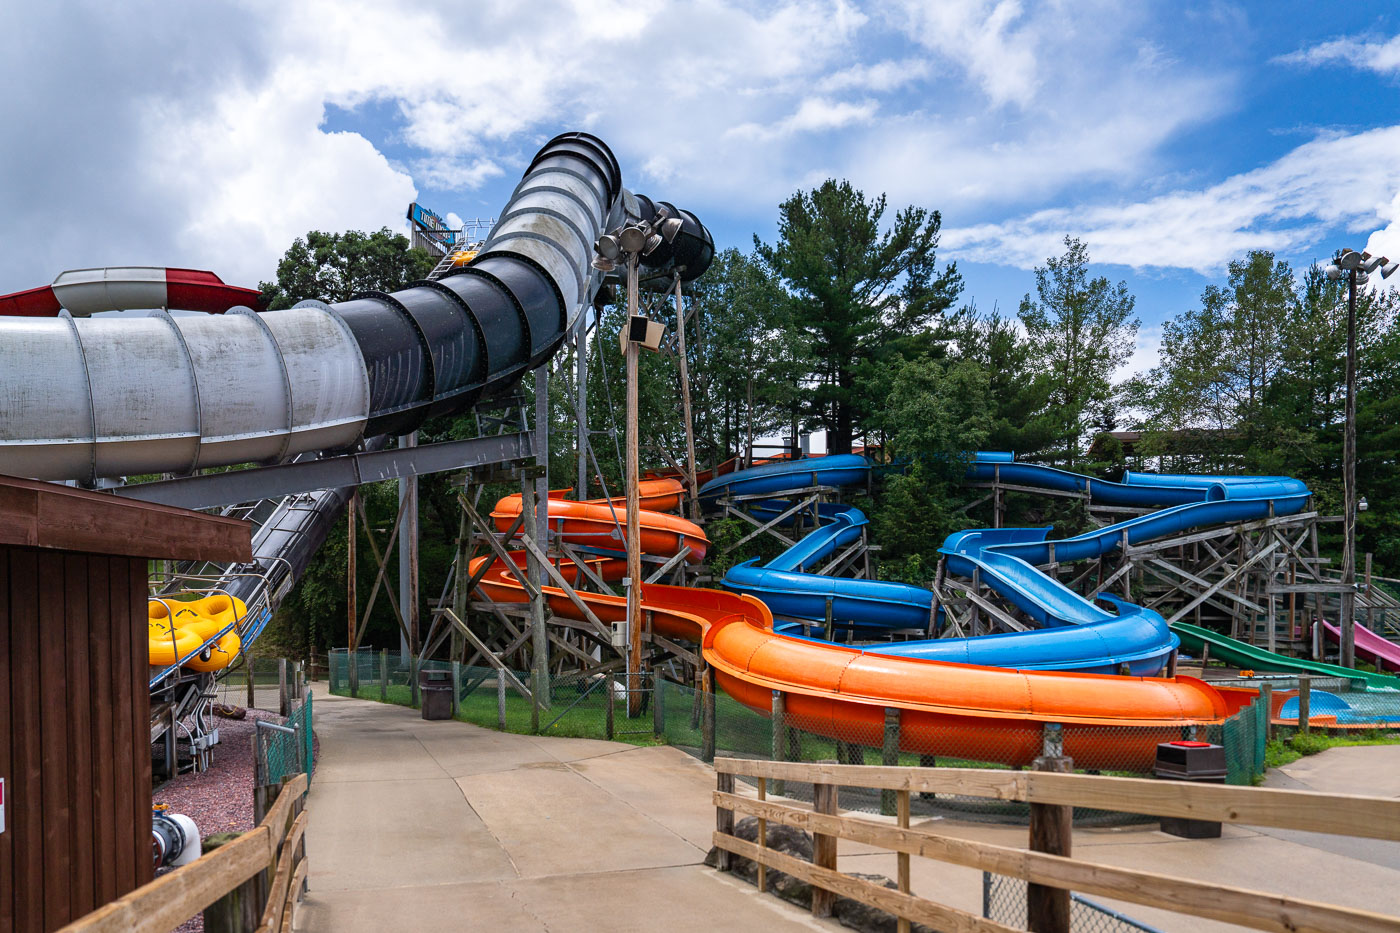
<point x="1046" y="865"/>
<point x="253" y="882"/>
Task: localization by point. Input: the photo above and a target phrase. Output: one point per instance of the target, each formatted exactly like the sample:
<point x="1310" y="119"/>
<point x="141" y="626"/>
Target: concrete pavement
<point x="445" y="825"/>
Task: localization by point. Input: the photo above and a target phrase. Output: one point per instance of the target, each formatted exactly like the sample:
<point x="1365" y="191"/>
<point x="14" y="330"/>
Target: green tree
<point x="853" y="289"/>
<point x="1017" y="396"/>
<point x="934" y="416"/>
<point x="745" y="359"/>
<point x="338" y="266"/>
<point x="1080" y="330"/>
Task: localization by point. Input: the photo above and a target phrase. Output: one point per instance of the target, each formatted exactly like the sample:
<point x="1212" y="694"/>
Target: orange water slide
<point x="955" y="710"/>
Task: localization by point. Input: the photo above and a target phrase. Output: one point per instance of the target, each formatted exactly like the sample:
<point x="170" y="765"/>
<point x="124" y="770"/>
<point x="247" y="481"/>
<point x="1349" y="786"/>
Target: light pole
<point x="1357" y="267"/>
<point x="629" y="244"/>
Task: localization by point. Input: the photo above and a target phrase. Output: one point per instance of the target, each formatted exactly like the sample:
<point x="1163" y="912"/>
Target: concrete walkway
<point x="444" y="825"/>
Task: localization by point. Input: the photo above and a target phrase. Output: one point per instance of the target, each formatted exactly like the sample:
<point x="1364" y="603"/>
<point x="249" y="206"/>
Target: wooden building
<point x="74" y="707"/>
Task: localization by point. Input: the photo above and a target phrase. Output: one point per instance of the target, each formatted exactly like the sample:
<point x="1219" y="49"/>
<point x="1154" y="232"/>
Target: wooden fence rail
<point x="274" y="845"/>
<point x="1350" y="815"/>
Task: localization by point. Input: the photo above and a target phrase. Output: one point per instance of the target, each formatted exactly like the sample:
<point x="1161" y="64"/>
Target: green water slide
<point x="1237" y="653"/>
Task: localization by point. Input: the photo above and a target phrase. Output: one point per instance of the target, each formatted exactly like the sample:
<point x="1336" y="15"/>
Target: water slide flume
<point x="1380" y="652"/>
<point x="1075" y="634"/>
<point x="958" y="710"/>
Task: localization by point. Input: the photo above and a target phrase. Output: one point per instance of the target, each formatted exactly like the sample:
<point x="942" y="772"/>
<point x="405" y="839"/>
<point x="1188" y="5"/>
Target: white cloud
<point x="1380" y="56"/>
<point x="881" y="77"/>
<point x="1347" y="181"/>
<point x="1386" y="242"/>
<point x="221" y="154"/>
<point x="814" y="114"/>
<point x="990" y="38"/>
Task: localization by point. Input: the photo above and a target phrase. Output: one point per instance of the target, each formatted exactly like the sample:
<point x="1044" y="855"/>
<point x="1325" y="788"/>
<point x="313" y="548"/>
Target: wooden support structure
<point x="1262" y="581"/>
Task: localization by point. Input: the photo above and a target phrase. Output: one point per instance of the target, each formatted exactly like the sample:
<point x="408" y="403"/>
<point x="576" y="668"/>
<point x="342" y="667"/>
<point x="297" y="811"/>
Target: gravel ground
<point x="220" y="799"/>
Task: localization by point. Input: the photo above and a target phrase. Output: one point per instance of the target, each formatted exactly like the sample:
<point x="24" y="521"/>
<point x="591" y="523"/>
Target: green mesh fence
<point x="674" y="713"/>
<point x="286" y="751"/>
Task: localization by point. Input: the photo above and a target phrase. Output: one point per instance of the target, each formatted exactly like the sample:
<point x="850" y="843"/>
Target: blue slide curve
<point x="1074" y="634"/>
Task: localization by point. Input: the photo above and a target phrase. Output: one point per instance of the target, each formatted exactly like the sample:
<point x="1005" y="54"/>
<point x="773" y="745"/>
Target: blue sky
<point x="1172" y="137"/>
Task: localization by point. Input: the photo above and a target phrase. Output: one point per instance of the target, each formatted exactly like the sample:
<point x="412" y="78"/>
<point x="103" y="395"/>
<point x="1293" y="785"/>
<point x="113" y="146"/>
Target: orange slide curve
<point x="955" y="710"/>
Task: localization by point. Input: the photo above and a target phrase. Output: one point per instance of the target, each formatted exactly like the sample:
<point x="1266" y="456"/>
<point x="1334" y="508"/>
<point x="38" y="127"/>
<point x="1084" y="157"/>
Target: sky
<point x="1171" y="137"/>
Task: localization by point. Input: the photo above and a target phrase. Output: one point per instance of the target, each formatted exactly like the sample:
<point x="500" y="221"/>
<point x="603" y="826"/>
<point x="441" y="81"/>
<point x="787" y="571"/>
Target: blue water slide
<point x="1075" y="633"/>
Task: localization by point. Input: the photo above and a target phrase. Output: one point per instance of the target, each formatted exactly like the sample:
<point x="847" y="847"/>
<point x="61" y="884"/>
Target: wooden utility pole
<point x="634" y="528"/>
<point x="538" y="528"/>
<point x="581" y="401"/>
<point x="685" y="404"/>
<point x="351" y="597"/>
<point x="408" y="556"/>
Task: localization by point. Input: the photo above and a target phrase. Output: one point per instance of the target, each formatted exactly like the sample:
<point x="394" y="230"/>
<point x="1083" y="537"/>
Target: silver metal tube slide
<point x="114" y="396"/>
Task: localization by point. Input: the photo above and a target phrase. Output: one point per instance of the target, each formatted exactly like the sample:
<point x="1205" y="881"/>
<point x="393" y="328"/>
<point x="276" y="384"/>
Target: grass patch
<point x="1285" y="751"/>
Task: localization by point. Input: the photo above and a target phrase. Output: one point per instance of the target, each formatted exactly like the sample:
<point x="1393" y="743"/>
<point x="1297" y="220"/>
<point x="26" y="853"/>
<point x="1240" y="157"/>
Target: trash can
<point x="1201" y="762"/>
<point x="435" y="688"/>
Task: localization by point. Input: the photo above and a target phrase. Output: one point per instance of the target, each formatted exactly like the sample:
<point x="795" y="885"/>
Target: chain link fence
<point x="282" y="751"/>
<point x="1004" y="901"/>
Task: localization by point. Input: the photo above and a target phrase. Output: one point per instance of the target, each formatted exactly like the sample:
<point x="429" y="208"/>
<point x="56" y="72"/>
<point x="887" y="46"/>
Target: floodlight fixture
<point x="652" y="243"/>
<point x="1332" y="271"/>
<point x="603" y="264"/>
<point x="632" y="239"/>
<point x="608" y="247"/>
<point x="1388" y="269"/>
<point x="671" y="228"/>
<point x="1350" y="259"/>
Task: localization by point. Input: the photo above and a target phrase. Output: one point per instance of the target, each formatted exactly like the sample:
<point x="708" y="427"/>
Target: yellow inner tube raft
<point x="195" y="622"/>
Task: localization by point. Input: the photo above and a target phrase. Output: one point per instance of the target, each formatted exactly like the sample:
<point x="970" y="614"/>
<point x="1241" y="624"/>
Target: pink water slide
<point x="1384" y="654"/>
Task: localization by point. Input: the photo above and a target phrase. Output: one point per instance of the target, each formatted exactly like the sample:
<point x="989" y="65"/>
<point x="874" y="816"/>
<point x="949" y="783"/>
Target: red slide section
<point x="956" y="710"/>
<point x="87" y="291"/>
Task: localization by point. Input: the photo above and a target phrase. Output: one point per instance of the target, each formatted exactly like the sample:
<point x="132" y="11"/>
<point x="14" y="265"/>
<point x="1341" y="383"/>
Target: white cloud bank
<point x="1345" y="181"/>
<point x="1381" y="56"/>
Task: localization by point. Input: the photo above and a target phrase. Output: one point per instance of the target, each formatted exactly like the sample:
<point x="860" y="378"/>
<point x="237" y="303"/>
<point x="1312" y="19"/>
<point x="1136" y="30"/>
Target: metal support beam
<point x="273" y="482"/>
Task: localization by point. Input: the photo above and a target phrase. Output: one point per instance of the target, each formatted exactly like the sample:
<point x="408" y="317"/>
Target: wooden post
<point x="408" y="554"/>
<point x="634" y="529"/>
<point x="539" y="636"/>
<point x="1304" y="702"/>
<point x="685" y="403"/>
<point x="500" y="701"/>
<point x="283" y="698"/>
<point x="976" y="623"/>
<point x="456" y="687"/>
<point x="707" y="735"/>
<point x="252" y="698"/>
<point x="762" y="837"/>
<point x="1051" y="829"/>
<point x="658" y="705"/>
<point x="384" y="675"/>
<point x="413" y="698"/>
<point x="461" y="595"/>
<point x="351" y="599"/>
<point x="1266" y="693"/>
<point x="608" y="686"/>
<point x="780" y="741"/>
<point x="889" y="756"/>
<point x="830" y="629"/>
<point x="824" y="800"/>
<point x="240" y="910"/>
<point x="902" y="859"/>
<point x="724" y="821"/>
